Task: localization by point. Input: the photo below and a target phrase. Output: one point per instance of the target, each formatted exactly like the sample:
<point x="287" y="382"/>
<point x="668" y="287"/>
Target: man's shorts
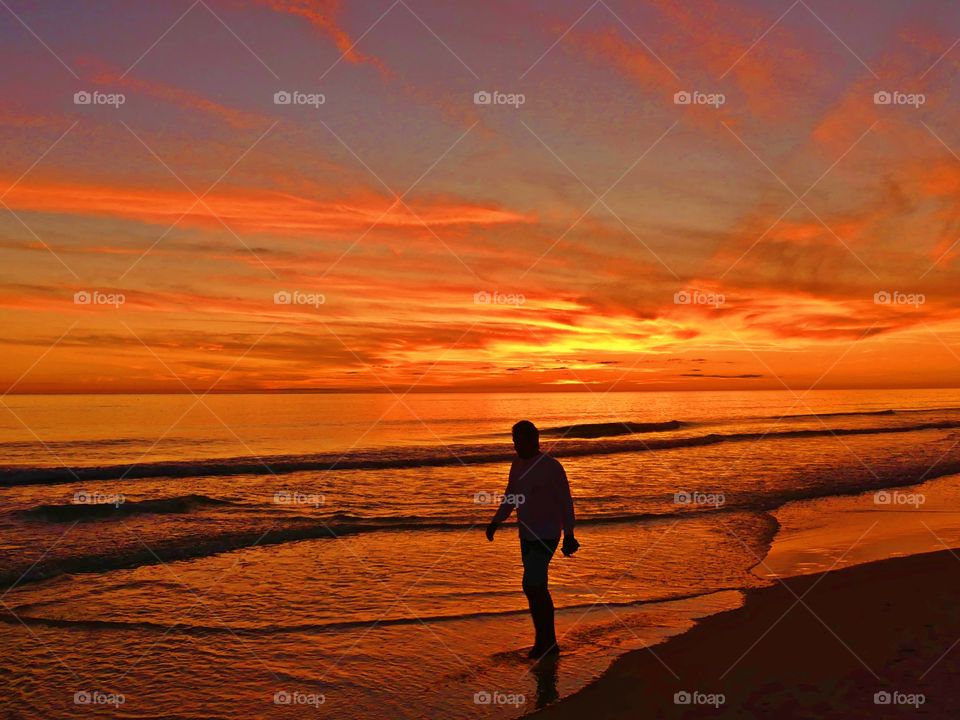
<point x="536" y="555"/>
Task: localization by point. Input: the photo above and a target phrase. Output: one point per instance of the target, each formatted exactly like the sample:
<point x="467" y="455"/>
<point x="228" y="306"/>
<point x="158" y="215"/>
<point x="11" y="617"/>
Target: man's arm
<point x="507" y="503"/>
<point x="570" y="544"/>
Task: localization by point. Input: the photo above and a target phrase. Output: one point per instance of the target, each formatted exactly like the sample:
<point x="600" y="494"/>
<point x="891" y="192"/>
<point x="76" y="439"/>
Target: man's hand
<point x="570" y="545"/>
<point x="491" y="529"/>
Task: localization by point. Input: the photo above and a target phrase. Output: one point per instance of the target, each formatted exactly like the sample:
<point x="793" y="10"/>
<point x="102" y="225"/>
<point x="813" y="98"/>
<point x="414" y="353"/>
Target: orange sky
<point x="788" y="227"/>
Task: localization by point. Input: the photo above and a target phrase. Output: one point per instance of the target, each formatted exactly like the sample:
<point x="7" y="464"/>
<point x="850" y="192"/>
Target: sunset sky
<point x="797" y="232"/>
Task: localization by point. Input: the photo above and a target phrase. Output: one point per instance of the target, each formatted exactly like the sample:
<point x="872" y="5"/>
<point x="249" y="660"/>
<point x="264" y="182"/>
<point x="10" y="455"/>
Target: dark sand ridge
<point x="888" y="625"/>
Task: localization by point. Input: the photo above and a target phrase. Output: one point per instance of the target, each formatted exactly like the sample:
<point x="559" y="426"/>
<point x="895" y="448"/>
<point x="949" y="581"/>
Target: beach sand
<point x="891" y="625"/>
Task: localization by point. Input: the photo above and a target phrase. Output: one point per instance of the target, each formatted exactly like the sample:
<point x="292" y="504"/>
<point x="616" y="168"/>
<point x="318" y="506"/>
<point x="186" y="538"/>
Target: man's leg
<point x="536" y="555"/>
<point x="528" y="554"/>
<point x="533" y="600"/>
<point x="547" y="613"/>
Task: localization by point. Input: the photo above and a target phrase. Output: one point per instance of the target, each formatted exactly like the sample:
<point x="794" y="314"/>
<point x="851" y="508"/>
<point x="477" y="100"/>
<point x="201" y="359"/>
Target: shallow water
<point x="359" y="573"/>
<point x="835" y="532"/>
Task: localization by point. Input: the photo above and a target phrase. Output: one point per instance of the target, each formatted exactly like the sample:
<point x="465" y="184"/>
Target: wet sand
<point x="815" y="646"/>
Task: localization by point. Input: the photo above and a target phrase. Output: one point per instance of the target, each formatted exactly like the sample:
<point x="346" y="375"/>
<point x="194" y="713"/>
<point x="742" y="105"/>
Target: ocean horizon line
<point x="469" y="391"/>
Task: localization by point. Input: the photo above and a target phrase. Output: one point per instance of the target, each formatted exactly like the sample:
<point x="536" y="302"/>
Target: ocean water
<point x="275" y="555"/>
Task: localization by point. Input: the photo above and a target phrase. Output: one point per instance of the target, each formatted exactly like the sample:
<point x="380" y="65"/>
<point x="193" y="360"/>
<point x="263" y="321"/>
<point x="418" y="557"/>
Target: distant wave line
<point x="405" y="458"/>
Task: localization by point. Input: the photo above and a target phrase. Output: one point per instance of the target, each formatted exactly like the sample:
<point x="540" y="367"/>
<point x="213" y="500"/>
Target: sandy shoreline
<point x="889" y="625"/>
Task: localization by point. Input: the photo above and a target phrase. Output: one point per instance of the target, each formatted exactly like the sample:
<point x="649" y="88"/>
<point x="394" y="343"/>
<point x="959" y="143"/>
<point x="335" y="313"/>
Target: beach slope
<point x="817" y="646"/>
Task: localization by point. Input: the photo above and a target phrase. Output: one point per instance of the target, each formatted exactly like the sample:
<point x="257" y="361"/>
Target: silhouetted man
<point x="539" y="490"/>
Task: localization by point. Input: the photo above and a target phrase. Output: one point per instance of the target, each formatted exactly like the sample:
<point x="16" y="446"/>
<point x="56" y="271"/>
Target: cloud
<point x="254" y="211"/>
<point x="713" y="46"/>
<point x="101" y="73"/>
<point x="322" y="15"/>
<point x="744" y="376"/>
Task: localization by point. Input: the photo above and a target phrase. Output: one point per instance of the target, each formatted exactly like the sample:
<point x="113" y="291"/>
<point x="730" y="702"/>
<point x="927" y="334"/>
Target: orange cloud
<point x="253" y="210"/>
<point x="104" y="75"/>
<point x="909" y="65"/>
<point x="23" y="120"/>
<point x="321" y="14"/>
<point x="630" y="57"/>
<point x="711" y="47"/>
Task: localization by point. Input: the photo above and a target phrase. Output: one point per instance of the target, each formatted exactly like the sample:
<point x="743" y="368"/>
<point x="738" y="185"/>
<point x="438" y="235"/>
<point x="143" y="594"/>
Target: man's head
<point x="526" y="439"/>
